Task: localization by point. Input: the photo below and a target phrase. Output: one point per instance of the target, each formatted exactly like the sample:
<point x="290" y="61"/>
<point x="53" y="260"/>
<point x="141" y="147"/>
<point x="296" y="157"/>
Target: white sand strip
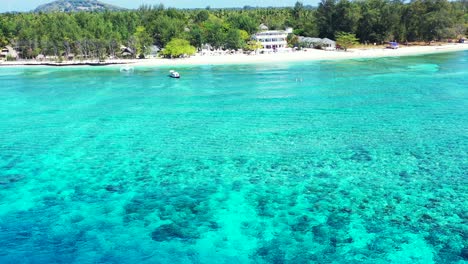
<point x="307" y="55"/>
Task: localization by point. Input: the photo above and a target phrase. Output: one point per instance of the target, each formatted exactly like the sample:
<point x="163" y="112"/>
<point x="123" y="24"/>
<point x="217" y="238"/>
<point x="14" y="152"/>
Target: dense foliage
<point x="177" y="48"/>
<point x="346" y="40"/>
<point x="101" y="34"/>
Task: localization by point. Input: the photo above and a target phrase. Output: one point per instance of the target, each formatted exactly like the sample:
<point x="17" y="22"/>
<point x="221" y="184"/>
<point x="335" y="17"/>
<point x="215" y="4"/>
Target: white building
<point x="272" y="40"/>
<point x="8" y="51"/>
<point x="325" y="43"/>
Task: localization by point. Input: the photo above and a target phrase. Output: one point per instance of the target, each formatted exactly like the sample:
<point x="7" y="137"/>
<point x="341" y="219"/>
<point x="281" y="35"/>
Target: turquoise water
<point x="359" y="161"/>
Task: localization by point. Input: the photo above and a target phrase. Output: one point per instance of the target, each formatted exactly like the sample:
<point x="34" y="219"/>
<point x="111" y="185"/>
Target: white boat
<point x="174" y="74"/>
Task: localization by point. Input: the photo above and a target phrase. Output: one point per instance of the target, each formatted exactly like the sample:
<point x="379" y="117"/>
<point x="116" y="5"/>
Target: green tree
<point x="309" y="29"/>
<point x="293" y="40"/>
<point x="143" y="41"/>
<point x="297" y="10"/>
<point x="325" y="18"/>
<point x="346" y="40"/>
<point x="244" y="22"/>
<point x="215" y="32"/>
<point x="177" y="48"/>
<point x="234" y="39"/>
<point x="438" y="21"/>
<point x="196" y="37"/>
<point x="375" y="24"/>
<point x="346" y="16"/>
<point x="3" y="41"/>
<point x="253" y="45"/>
<point x="201" y="16"/>
<point x="244" y="35"/>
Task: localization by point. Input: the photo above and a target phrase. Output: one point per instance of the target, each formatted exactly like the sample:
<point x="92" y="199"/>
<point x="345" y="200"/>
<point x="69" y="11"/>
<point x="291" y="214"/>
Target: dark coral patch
<point x="173" y="231"/>
<point x="361" y="155"/>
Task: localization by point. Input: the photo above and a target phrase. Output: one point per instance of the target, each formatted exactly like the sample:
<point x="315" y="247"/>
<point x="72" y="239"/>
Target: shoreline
<point x="304" y="56"/>
<point x="296" y="56"/>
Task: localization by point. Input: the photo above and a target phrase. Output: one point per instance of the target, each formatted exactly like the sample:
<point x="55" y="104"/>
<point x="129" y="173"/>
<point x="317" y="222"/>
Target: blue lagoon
<point x="357" y="161"/>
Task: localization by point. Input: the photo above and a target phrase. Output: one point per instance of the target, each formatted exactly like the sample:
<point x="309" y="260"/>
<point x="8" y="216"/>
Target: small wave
<point x="9" y="73"/>
<point x="425" y="67"/>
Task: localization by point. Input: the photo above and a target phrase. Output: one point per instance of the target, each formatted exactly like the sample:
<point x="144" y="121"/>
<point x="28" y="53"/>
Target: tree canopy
<point x="346" y="40"/>
<point x="177" y="48"/>
<point x="143" y="41"/>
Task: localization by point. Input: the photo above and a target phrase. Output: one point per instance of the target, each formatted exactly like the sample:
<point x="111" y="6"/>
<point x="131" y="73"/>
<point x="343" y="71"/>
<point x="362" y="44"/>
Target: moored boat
<point x="174" y="74"/>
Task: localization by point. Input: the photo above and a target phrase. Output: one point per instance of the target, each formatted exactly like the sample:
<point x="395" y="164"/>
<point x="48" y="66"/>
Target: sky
<point x="28" y="5"/>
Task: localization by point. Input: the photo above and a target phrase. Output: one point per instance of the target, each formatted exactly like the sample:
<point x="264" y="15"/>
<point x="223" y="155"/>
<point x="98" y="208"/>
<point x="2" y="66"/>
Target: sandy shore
<point x="307" y="55"/>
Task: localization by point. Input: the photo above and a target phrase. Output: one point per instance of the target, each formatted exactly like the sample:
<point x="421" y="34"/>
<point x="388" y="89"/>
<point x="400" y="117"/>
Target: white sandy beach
<point x="308" y="55"/>
<point x="303" y="55"/>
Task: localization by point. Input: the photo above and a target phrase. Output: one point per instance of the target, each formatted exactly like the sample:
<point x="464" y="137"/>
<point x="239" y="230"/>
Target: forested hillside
<point x="75" y="6"/>
<point x="100" y="34"/>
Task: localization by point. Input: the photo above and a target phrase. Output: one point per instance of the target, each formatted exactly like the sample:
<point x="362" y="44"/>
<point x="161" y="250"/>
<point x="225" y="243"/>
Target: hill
<point x="76" y="6"/>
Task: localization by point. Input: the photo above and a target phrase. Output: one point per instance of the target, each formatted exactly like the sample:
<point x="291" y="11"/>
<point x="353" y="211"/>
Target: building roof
<point x="328" y="41"/>
<point x="207" y="46"/>
<point x="124" y="49"/>
<point x="310" y="40"/>
<point x="263" y="27"/>
<point x="271" y="32"/>
<point x="154" y="49"/>
<point x="316" y="40"/>
<point x="9" y="51"/>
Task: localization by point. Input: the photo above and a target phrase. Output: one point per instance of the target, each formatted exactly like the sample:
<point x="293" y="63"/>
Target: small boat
<point x="126" y="69"/>
<point x="174" y="74"/>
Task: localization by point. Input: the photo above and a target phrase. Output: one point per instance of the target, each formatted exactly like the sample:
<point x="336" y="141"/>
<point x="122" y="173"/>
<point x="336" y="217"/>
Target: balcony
<point x="274" y="43"/>
<point x="261" y="38"/>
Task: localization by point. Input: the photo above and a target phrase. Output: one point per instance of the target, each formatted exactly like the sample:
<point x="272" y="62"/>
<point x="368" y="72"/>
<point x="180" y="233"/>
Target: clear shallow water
<point x="361" y="161"/>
